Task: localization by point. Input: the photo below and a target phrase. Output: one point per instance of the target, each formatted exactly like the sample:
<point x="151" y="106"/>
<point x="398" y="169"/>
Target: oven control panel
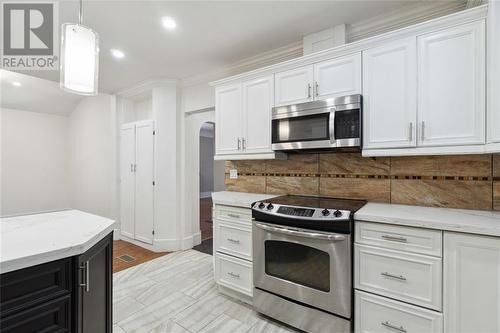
<point x="305" y="213"/>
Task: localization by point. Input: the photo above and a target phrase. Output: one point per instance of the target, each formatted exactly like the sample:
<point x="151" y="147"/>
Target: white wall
<point x="92" y="156"/>
<point x="33" y="162"/>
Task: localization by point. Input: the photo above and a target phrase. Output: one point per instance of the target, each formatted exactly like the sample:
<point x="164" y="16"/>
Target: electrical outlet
<point x="233" y="174"/>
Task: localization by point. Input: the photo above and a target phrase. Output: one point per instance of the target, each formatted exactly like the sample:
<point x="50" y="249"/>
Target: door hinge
<point x="153" y="232"/>
<point x="154" y="183"/>
<point x="154" y="132"/>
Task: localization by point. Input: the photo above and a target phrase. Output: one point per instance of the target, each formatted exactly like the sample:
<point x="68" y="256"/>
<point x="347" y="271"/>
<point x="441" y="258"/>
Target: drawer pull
<point x="395" y="239"/>
<point x="233" y="215"/>
<point x="233" y="275"/>
<point x="394" y="327"/>
<point x="400" y="277"/>
<point x="235" y="241"/>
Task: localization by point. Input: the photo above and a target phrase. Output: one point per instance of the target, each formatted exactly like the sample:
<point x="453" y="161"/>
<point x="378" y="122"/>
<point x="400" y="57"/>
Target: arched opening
<point x="211" y="175"/>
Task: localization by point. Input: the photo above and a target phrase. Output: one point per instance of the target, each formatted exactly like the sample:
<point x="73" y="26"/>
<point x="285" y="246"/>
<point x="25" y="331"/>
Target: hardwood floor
<point x="139" y="255"/>
<point x="206" y="223"/>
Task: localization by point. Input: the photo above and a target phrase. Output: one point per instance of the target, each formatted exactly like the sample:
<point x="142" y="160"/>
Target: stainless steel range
<point x="302" y="250"/>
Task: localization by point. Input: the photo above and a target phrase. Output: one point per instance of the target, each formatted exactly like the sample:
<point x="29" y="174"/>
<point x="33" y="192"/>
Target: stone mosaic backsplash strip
<point x="461" y="181"/>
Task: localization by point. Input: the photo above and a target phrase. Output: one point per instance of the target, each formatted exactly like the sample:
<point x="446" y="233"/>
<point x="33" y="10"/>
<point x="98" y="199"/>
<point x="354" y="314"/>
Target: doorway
<point x="211" y="175"/>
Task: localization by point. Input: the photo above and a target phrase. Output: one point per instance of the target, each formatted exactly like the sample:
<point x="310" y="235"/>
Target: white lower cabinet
<point x="380" y="314"/>
<point x="233" y="251"/>
<point x="472" y="283"/>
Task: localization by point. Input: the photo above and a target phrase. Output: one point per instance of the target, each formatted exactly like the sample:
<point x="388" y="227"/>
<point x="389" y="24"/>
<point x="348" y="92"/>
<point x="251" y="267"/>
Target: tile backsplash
<point x="461" y="181"/>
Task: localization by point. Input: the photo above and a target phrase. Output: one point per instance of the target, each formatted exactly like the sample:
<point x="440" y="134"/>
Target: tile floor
<point x="177" y="293"/>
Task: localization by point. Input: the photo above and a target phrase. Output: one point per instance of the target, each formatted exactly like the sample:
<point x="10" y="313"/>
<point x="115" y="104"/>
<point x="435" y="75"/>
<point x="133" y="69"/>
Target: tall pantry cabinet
<point x="137" y="180"/>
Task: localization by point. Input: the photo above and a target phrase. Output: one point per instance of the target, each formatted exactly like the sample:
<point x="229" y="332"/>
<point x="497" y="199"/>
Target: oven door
<point x="310" y="267"/>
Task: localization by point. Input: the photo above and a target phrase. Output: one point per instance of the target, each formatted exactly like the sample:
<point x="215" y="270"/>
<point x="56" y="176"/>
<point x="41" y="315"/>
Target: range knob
<point x="325" y="212"/>
<point x="262" y="205"/>
<point x="337" y="213"/>
<point x="270" y="206"/>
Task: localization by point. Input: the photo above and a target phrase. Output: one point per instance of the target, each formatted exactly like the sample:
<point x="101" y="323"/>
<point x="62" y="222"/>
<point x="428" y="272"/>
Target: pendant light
<point x="79" y="58"/>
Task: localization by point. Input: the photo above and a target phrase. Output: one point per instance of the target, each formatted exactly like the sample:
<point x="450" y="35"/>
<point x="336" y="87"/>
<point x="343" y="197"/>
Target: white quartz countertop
<point x="459" y="220"/>
<point x="239" y="199"/>
<point x="29" y="240"/>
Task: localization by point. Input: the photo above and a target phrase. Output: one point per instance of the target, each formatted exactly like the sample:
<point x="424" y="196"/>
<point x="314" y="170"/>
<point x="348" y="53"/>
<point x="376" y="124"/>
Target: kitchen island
<point x="56" y="272"/>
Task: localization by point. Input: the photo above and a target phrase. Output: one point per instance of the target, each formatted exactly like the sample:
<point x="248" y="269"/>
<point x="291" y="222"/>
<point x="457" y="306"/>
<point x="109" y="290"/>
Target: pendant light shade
<point x="79" y="59"/>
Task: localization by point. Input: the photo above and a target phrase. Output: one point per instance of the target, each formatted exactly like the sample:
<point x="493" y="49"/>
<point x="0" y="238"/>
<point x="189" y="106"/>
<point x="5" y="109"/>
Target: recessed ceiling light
<point x="117" y="53"/>
<point x="168" y="22"/>
<point x="16" y="84"/>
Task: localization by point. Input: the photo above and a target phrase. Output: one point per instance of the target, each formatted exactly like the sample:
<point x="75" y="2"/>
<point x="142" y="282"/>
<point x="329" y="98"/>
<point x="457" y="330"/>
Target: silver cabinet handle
<point x="243" y="144"/>
<point x="422" y="130"/>
<point x="395" y="239"/>
<point x="394" y="327"/>
<point x="299" y="233"/>
<point x="86" y="274"/>
<point x="308" y="90"/>
<point x="233" y="215"/>
<point x="235" y="241"/>
<point x="233" y="275"/>
<point x="317" y="88"/>
<point x="411" y="132"/>
<point x="239" y="143"/>
<point x="400" y="277"/>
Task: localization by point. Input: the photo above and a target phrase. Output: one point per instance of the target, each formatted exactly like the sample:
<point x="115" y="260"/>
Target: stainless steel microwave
<point x="326" y="124"/>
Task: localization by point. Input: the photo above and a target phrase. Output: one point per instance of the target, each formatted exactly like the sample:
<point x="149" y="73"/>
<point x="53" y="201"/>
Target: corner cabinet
<point x="243" y="119"/>
<point x="390" y="95"/>
<point x="72" y="294"/>
<point x="472" y="286"/>
<point x="451" y="86"/>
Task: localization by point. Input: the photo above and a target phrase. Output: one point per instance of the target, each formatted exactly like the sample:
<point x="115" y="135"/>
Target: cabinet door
<point x="228" y="116"/>
<point x="144" y="177"/>
<point x="258" y="97"/>
<point x="127" y="180"/>
<point x="390" y="95"/>
<point x="471" y="283"/>
<point x="294" y="86"/>
<point x="493" y="71"/>
<point x="338" y="77"/>
<point x="93" y="310"/>
<point x="451" y="86"/>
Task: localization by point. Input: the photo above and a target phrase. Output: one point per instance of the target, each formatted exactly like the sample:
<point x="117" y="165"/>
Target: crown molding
<point x="265" y="59"/>
<point x="145" y="87"/>
<point x="408" y="15"/>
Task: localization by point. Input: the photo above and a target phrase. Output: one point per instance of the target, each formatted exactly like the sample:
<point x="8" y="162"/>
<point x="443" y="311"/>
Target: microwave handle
<point x="315" y="235"/>
<point x="331" y="127"/>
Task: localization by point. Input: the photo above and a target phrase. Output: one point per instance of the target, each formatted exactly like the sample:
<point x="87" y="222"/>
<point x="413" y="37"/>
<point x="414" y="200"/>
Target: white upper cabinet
<point x="228" y="116"/>
<point x="338" y="77"/>
<point x="472" y="283"/>
<point x="258" y="98"/>
<point x="294" y="86"/>
<point x="493" y="71"/>
<point x="451" y="86"/>
<point x="390" y="95"/>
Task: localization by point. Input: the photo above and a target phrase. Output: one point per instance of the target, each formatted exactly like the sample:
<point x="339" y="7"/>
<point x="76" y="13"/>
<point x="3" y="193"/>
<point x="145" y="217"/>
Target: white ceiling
<point x="210" y="34"/>
<point x="35" y="94"/>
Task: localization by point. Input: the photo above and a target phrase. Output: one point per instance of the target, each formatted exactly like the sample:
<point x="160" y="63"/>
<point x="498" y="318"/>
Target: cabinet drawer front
<point x="234" y="273"/>
<point x="53" y="316"/>
<point x="233" y="214"/>
<point x="32" y="285"/>
<point x="234" y="240"/>
<point x="408" y="239"/>
<point x="378" y="314"/>
<point x="408" y="277"/>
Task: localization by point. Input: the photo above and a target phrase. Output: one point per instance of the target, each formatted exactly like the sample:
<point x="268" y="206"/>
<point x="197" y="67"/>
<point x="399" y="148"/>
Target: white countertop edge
<point x="239" y="199"/>
<point x="42" y="258"/>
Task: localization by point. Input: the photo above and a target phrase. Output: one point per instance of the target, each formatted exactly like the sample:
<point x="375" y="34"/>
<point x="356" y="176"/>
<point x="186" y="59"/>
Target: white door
<point x="451" y="86"/>
<point x="390" y="95"/>
<point x="258" y="97"/>
<point x="228" y="117"/>
<point x="471" y="283"/>
<point x="338" y="77"/>
<point x="127" y="180"/>
<point x="294" y="86"/>
<point x="144" y="177"/>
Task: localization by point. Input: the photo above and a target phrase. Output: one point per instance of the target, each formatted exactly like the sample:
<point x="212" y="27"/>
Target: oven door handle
<point x="315" y="235"/>
<point x="331" y="127"/>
